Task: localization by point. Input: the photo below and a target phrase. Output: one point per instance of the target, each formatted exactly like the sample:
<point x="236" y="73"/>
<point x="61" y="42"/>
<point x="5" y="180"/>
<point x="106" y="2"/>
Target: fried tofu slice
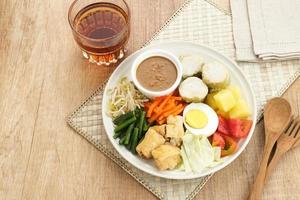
<point x="166" y="156"/>
<point x="151" y="141"/>
<point x="160" y="129"/>
<point x="174" y="130"/>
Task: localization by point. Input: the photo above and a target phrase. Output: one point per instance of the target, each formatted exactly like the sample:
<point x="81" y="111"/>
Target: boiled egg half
<point x="200" y="119"/>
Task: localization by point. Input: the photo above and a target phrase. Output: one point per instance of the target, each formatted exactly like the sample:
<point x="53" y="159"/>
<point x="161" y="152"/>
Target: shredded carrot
<point x="166" y="114"/>
<point x="169" y="106"/>
<point x="163" y="121"/>
<point x="176" y="98"/>
<point x="160" y="108"/>
<point x="155" y="103"/>
<point x="147" y="105"/>
<point x="164" y="102"/>
<point x="155" y="110"/>
<point x="167" y="109"/>
<point x="177" y="112"/>
<point x="160" y="118"/>
<point x="172" y="101"/>
<point x="154" y="117"/>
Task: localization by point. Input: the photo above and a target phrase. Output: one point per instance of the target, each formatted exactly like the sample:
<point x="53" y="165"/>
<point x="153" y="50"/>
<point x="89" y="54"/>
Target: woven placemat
<point x="198" y="21"/>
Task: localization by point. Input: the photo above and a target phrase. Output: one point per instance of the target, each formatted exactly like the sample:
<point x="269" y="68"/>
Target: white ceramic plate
<point x="179" y="48"/>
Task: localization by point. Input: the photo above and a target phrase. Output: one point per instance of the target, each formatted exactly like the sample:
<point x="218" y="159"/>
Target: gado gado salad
<point x="182" y="112"/>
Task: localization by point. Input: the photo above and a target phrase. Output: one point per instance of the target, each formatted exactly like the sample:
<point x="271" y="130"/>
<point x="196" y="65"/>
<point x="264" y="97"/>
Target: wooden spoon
<point x="277" y="115"/>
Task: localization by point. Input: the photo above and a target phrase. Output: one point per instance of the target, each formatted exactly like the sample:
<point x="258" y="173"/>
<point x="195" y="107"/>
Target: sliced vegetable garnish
<point x="223" y="126"/>
<point x="230" y="146"/>
<point x="155" y="103"/>
<point x="164" y="102"/>
<point x="218" y="140"/>
<point x="147" y="105"/>
<point x="239" y="128"/>
<point x="176" y="109"/>
<point x="197" y="153"/>
<point x="161" y="121"/>
<point x="247" y="124"/>
<point x="160" y="108"/>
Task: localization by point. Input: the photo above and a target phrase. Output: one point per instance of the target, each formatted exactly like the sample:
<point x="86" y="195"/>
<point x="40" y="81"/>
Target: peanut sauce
<point x="156" y="73"/>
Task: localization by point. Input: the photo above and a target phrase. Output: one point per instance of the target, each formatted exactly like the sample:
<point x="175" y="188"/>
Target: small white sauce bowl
<point x="151" y="53"/>
<point x="212" y="116"/>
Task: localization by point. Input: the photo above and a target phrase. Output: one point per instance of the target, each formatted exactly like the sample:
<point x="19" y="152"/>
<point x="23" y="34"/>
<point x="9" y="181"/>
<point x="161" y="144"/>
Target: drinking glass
<point x="101" y="28"/>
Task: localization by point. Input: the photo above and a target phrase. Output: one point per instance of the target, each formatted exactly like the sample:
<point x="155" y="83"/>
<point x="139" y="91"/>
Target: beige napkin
<point x="266" y="29"/>
<point x="275" y="27"/>
<point x="241" y="31"/>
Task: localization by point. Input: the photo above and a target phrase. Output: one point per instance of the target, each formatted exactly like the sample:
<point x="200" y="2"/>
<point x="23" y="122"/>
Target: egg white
<point x="212" y="124"/>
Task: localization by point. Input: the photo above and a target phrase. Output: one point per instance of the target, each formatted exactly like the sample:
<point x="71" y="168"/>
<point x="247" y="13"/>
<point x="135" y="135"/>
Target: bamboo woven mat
<point x="201" y="22"/>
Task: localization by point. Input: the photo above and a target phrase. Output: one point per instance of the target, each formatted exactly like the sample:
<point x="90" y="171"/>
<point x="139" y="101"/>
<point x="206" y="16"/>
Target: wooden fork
<point x="297" y="143"/>
<point x="288" y="140"/>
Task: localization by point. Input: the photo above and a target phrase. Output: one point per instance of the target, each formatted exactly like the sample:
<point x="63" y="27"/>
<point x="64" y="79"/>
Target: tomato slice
<point x="223" y="126"/>
<point x="247" y="124"/>
<point x="218" y="140"/>
<point x="235" y="127"/>
<point x="230" y="146"/>
<point x="239" y="128"/>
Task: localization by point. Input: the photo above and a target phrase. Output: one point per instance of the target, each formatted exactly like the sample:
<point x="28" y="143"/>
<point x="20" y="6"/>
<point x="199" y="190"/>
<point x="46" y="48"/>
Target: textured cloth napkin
<point x="266" y="29"/>
<point x="241" y="31"/>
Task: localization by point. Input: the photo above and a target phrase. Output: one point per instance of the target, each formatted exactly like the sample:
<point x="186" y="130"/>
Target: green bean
<point x="137" y="115"/>
<point x="128" y="145"/>
<point x="145" y="126"/>
<point x="134" y="140"/>
<point x="117" y="134"/>
<point x="122" y="140"/>
<point x="128" y="133"/>
<point x="141" y="123"/>
<point x="125" y="124"/>
<point x="137" y="112"/>
<point x="123" y="117"/>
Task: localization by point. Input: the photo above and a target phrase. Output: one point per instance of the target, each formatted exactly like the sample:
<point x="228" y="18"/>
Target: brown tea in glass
<point x="100" y="28"/>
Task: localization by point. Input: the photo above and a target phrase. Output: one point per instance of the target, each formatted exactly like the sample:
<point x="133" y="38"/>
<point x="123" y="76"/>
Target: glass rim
<point x="93" y="39"/>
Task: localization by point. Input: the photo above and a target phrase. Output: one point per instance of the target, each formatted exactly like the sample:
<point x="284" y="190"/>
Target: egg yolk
<point x="196" y="119"/>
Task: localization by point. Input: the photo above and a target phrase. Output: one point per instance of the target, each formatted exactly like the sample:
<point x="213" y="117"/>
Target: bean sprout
<point x="124" y="97"/>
